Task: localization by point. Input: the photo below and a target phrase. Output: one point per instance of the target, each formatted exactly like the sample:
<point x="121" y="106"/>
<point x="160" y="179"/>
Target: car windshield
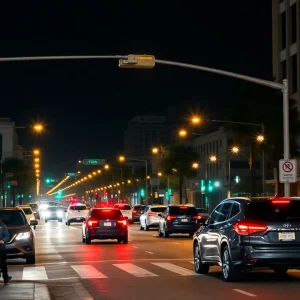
<point x="139" y="207"/>
<point x="158" y="209"/>
<point x="52" y="208"/>
<point x="103" y="214"/>
<point x="27" y="210"/>
<point x="183" y="210"/>
<point x="13" y="217"/>
<point x="78" y="207"/>
<point x="272" y="211"/>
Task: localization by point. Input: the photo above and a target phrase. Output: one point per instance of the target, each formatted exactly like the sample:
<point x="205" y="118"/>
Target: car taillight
<point x="281" y="201"/>
<point x="245" y="228"/>
<point x="123" y="222"/>
<point x="170" y="218"/>
<point x="134" y="211"/>
<point x="197" y="217"/>
<point x="92" y="222"/>
<point x="151" y="214"/>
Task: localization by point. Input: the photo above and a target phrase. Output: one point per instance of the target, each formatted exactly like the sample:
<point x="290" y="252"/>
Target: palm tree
<point x="180" y="158"/>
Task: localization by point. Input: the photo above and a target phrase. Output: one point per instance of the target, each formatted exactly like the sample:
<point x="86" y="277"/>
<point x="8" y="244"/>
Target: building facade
<point x="285" y="41"/>
<point x="145" y="132"/>
<point x="8" y="139"/>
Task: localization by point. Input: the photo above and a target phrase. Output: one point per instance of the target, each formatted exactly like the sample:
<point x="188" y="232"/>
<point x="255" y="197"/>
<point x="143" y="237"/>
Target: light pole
<point x="123" y="158"/>
<point x="139" y="61"/>
<point x="107" y="167"/>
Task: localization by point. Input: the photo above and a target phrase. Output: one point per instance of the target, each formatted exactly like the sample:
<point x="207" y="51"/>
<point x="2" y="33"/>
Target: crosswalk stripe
<point x="34" y="273"/>
<point x="87" y="271"/>
<point x="175" y="269"/>
<point x="135" y="270"/>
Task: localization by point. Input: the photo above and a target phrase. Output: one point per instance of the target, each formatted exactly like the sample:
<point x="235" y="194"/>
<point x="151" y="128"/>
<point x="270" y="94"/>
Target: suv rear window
<point x="13" y="217"/>
<point x="183" y="210"/>
<point x="103" y="214"/>
<point x="272" y="212"/>
<point x="123" y="207"/>
<point x="158" y="209"/>
<point x="78" y="207"/>
<point x="139" y="207"/>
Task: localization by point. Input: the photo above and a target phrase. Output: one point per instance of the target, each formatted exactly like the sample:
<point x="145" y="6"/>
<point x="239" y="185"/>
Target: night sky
<point x="87" y="104"/>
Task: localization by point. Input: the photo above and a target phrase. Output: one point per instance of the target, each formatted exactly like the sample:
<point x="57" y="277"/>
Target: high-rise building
<point x="286" y="42"/>
<point x="145" y="132"/>
<point x="8" y="139"/>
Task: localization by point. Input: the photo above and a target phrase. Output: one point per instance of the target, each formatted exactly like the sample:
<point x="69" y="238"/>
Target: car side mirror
<point x="33" y="222"/>
<point x="160" y="215"/>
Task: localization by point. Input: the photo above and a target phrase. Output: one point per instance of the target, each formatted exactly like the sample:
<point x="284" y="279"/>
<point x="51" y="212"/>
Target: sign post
<point x="287" y="170"/>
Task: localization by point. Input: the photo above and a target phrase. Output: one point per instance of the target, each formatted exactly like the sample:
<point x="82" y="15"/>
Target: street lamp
<point x="213" y="158"/>
<point x="182" y="133"/>
<point x="195" y="120"/>
<point x="36" y="152"/>
<point x="159" y="174"/>
<point x="195" y="165"/>
<point x="235" y="149"/>
<point x="38" y="128"/>
<point x="260" y="138"/>
<point x="106" y="167"/>
<point x="155" y="150"/>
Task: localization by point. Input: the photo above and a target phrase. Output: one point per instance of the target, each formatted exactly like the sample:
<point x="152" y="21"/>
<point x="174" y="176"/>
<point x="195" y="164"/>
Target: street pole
<point x="263" y="161"/>
<point x="229" y="177"/>
<point x="275" y="85"/>
<point x="146" y="185"/>
<point x="286" y="131"/>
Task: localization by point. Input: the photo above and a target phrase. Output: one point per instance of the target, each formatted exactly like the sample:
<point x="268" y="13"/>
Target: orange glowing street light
<point x="121" y="158"/>
<point x="36" y="152"/>
<point x="235" y="149"/>
<point x="38" y="127"/>
<point x="195" y="120"/>
<point x="155" y="150"/>
<point x="182" y="133"/>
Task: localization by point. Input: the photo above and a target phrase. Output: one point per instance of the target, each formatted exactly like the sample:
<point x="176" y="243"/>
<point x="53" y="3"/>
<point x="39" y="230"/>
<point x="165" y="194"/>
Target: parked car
<point x="35" y="209"/>
<point x="21" y="244"/>
<point x="178" y="219"/>
<point x="28" y="213"/>
<point x="243" y="234"/>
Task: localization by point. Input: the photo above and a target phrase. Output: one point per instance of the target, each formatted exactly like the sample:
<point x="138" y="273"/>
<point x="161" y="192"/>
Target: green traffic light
<point x="142" y="193"/>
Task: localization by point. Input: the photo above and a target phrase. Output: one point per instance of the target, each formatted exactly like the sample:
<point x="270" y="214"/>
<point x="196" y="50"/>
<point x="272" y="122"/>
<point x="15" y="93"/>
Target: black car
<point x="136" y="212"/>
<point x="243" y="234"/>
<point x="105" y="223"/>
<point x="53" y="213"/>
<point x="178" y="219"/>
<point x="22" y="240"/>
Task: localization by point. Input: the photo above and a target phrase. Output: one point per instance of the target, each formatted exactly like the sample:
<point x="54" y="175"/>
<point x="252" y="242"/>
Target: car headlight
<point x="23" y="236"/>
<point x="32" y="218"/>
<point x="59" y="214"/>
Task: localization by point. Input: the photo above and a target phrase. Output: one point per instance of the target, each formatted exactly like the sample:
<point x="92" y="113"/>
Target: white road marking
<point x="34" y="273"/>
<point x="135" y="270"/>
<point x="86" y="271"/>
<point x="149" y="252"/>
<point x="135" y="247"/>
<point x="72" y="227"/>
<point x="41" y="291"/>
<point x="176" y="243"/>
<point x="175" y="269"/>
<point x="244" y="293"/>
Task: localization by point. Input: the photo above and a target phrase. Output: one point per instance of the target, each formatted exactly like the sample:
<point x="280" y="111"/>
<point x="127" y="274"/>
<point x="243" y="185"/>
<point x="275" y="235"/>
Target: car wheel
<point x="280" y="271"/>
<point x="88" y="240"/>
<point x="83" y="238"/>
<point x="146" y="227"/>
<point x="141" y="227"/>
<point x="165" y="233"/>
<point x="34" y="227"/>
<point x="200" y="268"/>
<point x="68" y="223"/>
<point x="125" y="240"/>
<point x="229" y="272"/>
<point x="30" y="260"/>
<point x="46" y="220"/>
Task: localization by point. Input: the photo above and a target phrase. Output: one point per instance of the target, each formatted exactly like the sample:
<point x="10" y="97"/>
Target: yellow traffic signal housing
<point x="135" y="61"/>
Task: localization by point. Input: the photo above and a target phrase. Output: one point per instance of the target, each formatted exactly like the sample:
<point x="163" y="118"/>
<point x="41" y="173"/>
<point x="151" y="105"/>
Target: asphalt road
<point x="147" y="267"/>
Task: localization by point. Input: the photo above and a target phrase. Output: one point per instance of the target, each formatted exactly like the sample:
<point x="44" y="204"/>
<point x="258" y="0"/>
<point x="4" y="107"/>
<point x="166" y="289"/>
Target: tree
<point x="262" y="105"/>
<point x="22" y="174"/>
<point x="181" y="158"/>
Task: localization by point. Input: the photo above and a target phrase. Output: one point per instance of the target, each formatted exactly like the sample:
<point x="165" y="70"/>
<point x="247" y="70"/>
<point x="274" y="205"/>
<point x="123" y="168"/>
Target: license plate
<point x="286" y="236"/>
<point x="78" y="219"/>
<point x="184" y="220"/>
<point x="107" y="224"/>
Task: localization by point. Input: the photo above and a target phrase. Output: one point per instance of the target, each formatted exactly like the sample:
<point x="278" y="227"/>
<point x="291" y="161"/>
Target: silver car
<point x="21" y="244"/>
<point x="149" y="217"/>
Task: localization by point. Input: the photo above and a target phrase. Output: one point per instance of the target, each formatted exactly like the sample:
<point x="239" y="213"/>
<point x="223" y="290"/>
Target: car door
<point x="207" y="241"/>
<point x="218" y="230"/>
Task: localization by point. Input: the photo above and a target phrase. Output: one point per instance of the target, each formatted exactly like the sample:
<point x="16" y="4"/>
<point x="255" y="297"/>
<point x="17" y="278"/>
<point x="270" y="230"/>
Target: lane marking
<point x="34" y="273"/>
<point x="135" y="270"/>
<point x="87" y="271"/>
<point x="41" y="292"/>
<point x="149" y="252"/>
<point x="175" y="269"/>
<point x="176" y="243"/>
<point x="244" y="293"/>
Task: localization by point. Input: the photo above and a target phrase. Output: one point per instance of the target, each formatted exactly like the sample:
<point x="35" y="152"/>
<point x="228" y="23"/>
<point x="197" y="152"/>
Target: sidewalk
<point x="24" y="290"/>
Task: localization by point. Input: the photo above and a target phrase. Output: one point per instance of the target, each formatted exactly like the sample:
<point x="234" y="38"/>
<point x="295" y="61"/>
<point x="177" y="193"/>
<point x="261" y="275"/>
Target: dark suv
<point x="178" y="219"/>
<point x="243" y="234"/>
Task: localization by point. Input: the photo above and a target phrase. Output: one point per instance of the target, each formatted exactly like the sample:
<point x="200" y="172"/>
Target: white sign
<point x="287" y="170"/>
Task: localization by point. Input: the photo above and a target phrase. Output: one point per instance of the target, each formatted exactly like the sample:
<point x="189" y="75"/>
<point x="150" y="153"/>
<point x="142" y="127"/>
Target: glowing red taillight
<point x="151" y="214"/>
<point x="281" y="201"/>
<point x="134" y="211"/>
<point x="245" y="228"/>
<point x="123" y="222"/>
<point x="197" y="217"/>
<point x="170" y="218"/>
<point x="92" y="222"/>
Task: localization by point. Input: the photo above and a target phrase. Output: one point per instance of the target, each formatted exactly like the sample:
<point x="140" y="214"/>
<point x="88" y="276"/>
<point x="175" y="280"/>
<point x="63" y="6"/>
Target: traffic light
<point x="47" y="180"/>
<point x="202" y="186"/>
<point x="142" y="193"/>
<point x="135" y="61"/>
<point x="29" y="196"/>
